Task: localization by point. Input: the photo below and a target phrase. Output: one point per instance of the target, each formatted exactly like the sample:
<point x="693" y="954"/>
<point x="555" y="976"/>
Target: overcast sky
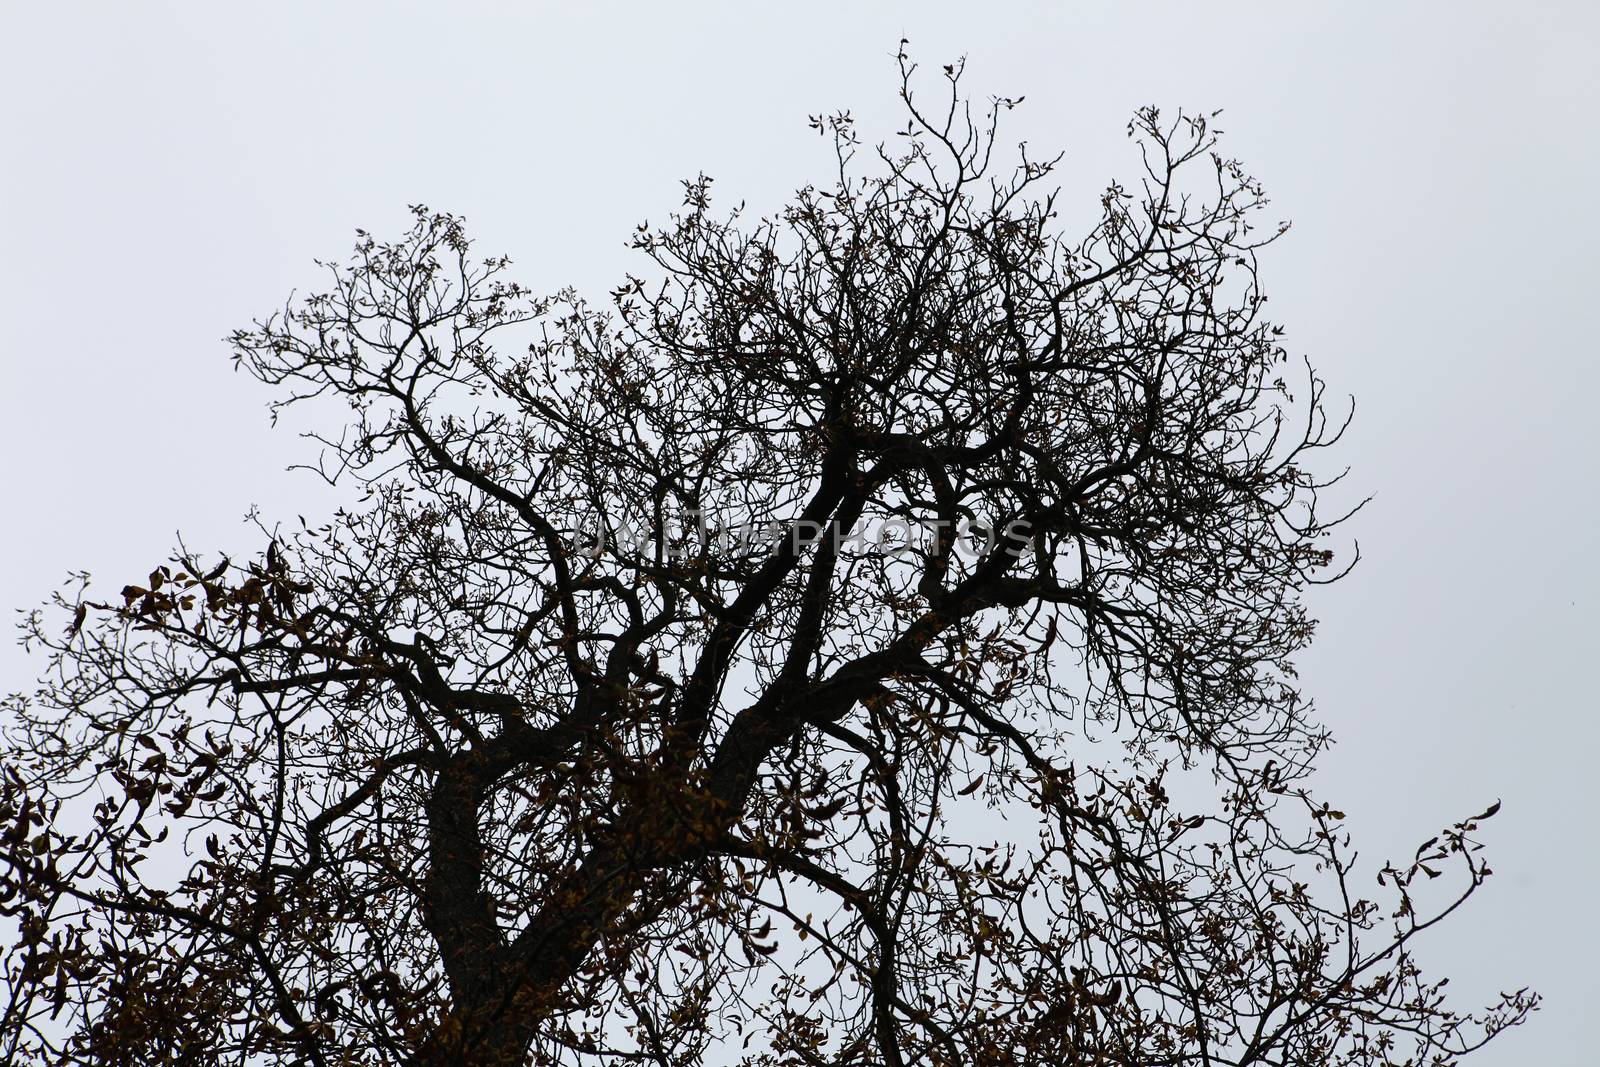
<point x="170" y="171"/>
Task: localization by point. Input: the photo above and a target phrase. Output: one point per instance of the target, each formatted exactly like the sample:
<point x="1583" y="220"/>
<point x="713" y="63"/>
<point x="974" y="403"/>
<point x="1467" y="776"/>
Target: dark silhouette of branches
<point x="985" y="749"/>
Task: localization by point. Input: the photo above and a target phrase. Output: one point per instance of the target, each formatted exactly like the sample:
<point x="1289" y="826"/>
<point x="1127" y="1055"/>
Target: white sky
<point x="169" y="171"/>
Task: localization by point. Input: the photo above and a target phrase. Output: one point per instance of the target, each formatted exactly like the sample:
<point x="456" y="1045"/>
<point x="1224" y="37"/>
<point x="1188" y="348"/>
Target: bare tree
<point x="971" y="547"/>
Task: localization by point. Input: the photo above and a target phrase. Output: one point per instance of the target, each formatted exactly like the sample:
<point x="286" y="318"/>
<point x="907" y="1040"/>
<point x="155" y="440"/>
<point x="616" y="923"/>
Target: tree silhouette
<point x="970" y="547"/>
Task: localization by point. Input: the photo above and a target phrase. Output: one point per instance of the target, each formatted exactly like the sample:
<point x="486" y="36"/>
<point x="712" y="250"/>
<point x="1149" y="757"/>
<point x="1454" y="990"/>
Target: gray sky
<point x="169" y="172"/>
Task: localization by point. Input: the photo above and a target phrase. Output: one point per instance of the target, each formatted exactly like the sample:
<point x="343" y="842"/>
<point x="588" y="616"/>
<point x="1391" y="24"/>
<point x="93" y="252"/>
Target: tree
<point x="971" y="546"/>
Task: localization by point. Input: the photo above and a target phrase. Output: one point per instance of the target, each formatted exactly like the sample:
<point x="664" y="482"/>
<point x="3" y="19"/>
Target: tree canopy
<point x="943" y="712"/>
